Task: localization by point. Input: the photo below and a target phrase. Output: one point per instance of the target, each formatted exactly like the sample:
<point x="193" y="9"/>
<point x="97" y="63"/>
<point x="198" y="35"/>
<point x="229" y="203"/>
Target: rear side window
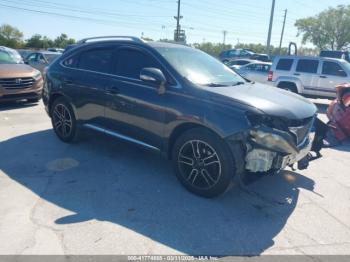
<point x="130" y="62"/>
<point x="98" y="60"/>
<point x="333" y="69"/>
<point x="307" y="66"/>
<point x="284" y="64"/>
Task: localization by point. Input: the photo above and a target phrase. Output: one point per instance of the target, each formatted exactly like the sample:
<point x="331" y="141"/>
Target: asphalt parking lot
<point x="104" y="196"/>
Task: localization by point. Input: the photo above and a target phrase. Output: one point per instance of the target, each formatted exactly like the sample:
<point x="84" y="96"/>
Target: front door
<point x="332" y="75"/>
<point x="135" y="108"/>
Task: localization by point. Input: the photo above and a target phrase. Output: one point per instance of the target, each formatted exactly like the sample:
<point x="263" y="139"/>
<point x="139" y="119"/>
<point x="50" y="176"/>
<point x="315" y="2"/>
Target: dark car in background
<point x="181" y="102"/>
<point x="241" y="54"/>
<point x="233" y="54"/>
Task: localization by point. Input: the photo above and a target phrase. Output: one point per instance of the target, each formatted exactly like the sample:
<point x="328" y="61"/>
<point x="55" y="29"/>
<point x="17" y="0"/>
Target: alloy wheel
<point x="199" y="164"/>
<point x="62" y="120"/>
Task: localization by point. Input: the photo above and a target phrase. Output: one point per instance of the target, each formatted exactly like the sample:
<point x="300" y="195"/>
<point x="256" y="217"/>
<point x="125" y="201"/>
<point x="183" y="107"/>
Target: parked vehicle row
<point x="233" y="54"/>
<point x="212" y="124"/>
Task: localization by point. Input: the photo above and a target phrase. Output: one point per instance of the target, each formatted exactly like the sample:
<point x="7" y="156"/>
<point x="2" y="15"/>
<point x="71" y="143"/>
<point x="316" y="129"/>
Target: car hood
<point x="16" y="70"/>
<point x="271" y="100"/>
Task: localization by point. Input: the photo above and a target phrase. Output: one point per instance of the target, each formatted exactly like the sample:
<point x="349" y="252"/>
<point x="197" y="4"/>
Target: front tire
<point x="203" y="163"/>
<point x="63" y="121"/>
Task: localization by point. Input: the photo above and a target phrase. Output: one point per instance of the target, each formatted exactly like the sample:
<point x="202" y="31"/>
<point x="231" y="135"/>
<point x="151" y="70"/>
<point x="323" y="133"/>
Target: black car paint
<point x="136" y="109"/>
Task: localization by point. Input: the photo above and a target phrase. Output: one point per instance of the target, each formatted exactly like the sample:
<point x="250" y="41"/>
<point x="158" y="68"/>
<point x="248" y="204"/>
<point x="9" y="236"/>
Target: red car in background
<point x="338" y="113"/>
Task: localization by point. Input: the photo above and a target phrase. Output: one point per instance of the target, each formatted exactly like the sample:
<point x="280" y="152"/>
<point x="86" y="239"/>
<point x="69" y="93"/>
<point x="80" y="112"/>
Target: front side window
<point x="130" y="62"/>
<point x="284" y="64"/>
<point x="199" y="67"/>
<point x="32" y="58"/>
<point x="307" y="66"/>
<point x="333" y="69"/>
<point x="98" y="60"/>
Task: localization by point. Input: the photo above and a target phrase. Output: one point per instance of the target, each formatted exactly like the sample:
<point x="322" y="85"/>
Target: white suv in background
<point x="310" y="76"/>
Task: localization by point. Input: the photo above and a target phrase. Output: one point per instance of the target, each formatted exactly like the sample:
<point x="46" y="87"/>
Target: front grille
<point x="17" y="83"/>
<point x="301" y="132"/>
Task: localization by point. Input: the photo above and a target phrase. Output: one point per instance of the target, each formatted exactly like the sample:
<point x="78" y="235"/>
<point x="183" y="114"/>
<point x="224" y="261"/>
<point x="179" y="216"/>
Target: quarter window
<point x="307" y="66"/>
<point x="99" y="60"/>
<point x="333" y="69"/>
<point x="284" y="64"/>
<point x="130" y="62"/>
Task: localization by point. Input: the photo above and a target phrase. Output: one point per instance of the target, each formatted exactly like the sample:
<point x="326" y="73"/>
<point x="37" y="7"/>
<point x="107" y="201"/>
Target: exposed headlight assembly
<point x="273" y="141"/>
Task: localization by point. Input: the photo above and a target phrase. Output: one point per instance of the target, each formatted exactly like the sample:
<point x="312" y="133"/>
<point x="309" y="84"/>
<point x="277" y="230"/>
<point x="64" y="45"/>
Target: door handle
<point x="112" y="90"/>
<point x="323" y="77"/>
<point x="296" y="74"/>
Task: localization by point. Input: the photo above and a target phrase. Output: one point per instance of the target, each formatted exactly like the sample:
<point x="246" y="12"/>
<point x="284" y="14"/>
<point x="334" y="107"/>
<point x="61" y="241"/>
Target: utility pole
<point x="178" y="17"/>
<point x="225" y="33"/>
<point x="270" y="27"/>
<point x="284" y="23"/>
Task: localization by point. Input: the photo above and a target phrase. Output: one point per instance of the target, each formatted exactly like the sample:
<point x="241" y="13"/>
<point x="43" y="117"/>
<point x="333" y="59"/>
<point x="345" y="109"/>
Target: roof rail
<point x="132" y="38"/>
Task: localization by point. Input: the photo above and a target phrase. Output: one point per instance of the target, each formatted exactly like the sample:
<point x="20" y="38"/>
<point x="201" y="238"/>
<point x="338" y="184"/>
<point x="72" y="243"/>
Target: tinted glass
<point x="131" y="62"/>
<point x="99" y="60"/>
<point x="32" y="57"/>
<point x="199" y="67"/>
<point x="332" y="68"/>
<point x="284" y="64"/>
<point x="307" y="66"/>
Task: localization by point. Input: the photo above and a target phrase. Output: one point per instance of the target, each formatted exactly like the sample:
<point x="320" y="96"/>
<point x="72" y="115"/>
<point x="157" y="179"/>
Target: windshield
<point x="199" y="67"/>
<point x="10" y="57"/>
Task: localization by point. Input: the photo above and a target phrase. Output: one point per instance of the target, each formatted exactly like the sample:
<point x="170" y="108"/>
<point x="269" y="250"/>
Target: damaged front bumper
<point x="263" y="160"/>
<point x="268" y="149"/>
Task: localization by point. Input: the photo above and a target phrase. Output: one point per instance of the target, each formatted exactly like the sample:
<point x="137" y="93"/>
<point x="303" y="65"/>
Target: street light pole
<point x="270" y="28"/>
<point x="284" y="23"/>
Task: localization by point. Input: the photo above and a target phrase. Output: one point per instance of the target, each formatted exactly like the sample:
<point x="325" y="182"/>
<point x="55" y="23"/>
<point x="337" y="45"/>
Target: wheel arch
<point x="290" y="82"/>
<point x="179" y="130"/>
<point x="56" y="96"/>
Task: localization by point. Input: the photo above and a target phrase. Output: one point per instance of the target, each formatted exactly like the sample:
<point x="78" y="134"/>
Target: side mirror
<point x="154" y="76"/>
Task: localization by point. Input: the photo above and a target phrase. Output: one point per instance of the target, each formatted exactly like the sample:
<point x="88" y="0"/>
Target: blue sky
<point x="204" y="20"/>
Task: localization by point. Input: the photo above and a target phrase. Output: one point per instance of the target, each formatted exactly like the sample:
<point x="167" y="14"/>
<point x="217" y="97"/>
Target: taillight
<point x="270" y="76"/>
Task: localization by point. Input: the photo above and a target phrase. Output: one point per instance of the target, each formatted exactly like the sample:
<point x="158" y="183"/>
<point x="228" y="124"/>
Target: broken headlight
<point x="273" y="141"/>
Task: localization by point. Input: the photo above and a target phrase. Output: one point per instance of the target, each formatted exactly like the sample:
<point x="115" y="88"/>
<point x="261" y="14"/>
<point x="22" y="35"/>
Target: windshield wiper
<point x="215" y="85"/>
<point x="238" y="83"/>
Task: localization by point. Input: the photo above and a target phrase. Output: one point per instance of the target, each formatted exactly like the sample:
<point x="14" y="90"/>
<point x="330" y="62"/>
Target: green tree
<point x="213" y="49"/>
<point x="35" y="42"/>
<point x="10" y="36"/>
<point x="62" y="41"/>
<point x="328" y="30"/>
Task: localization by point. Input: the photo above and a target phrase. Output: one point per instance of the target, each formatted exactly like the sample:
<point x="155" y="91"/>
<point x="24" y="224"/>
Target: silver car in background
<point x="256" y="71"/>
<point x="41" y="59"/>
<point x="310" y="76"/>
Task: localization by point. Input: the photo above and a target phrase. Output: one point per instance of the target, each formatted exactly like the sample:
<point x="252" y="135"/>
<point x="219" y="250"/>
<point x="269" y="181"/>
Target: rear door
<point x="306" y="72"/>
<point x="87" y="80"/>
<point x="332" y="74"/>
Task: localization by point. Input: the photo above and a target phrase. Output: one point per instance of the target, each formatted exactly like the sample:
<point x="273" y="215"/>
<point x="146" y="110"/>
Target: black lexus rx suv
<point x="214" y="125"/>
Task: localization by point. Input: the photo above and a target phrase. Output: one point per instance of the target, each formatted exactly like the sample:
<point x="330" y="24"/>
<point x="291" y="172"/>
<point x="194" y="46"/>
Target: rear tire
<point x="63" y="121"/>
<point x="203" y="163"/>
<point x="291" y="87"/>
